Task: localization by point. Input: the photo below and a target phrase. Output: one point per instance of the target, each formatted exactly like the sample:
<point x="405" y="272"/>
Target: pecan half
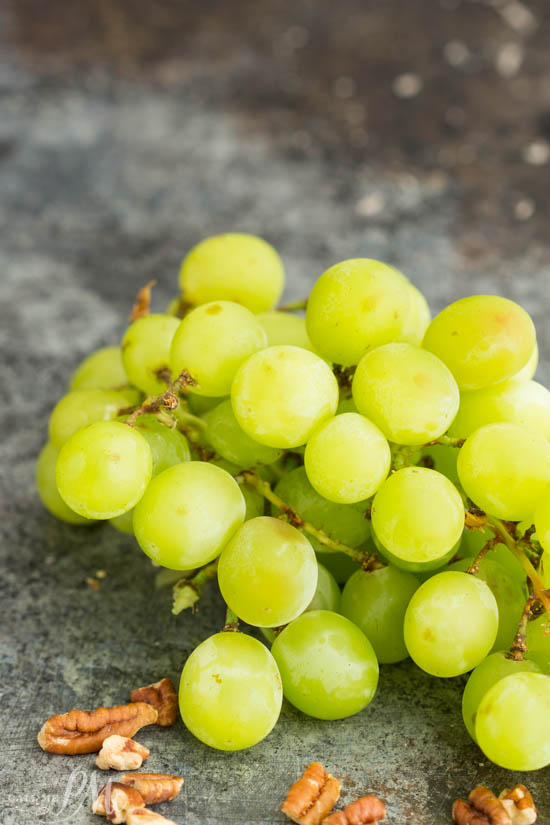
<point x="312" y="797"/>
<point x="121" y="754"/>
<point x="519" y="804"/>
<point x="366" y="810"/>
<point x="115" y="801"/>
<point x="154" y="787"/>
<point x="84" y="731"/>
<point x="143" y="816"/>
<point x="482" y="808"/>
<point x="162" y="696"/>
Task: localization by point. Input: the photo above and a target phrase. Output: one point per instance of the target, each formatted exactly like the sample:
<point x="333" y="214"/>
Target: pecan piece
<point x="162" y="696"/>
<point x="312" y="797"/>
<point x="519" y="804"/>
<point x="143" y="816"/>
<point x="115" y="801"/>
<point x="482" y="808"/>
<point x="121" y="754"/>
<point x="154" y="787"/>
<point x="366" y="810"/>
<point x="84" y="731"/>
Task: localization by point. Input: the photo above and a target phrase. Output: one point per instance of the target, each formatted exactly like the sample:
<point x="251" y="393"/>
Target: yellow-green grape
<point x="528" y="371"/>
<point x="102" y="470"/>
<point x="146" y="352"/>
<point x="347" y="459"/>
<point x="233" y="267"/>
<point x="254" y="501"/>
<point x="451" y="623"/>
<point x="124" y="523"/>
<point x="79" y="408"/>
<point x="418" y="518"/>
<point x="187" y="515"/>
<point x="538" y="642"/>
<point x="482" y="339"/>
<point x="281" y="394"/>
<point x="474" y="540"/>
<point x="442" y="458"/>
<point x="542" y="519"/>
<point x="268" y="572"/>
<point x="356" y="305"/>
<point x="346" y="405"/>
<point x="102" y="370"/>
<point x="513" y="720"/>
<point x="285" y="328"/>
<point x="504" y="469"/>
<point x="232" y="443"/>
<point x="47" y="488"/>
<point x="230" y="692"/>
<point x="212" y="342"/>
<point x="340" y="565"/>
<point x="544" y="569"/>
<point x="200" y="404"/>
<point x="417" y="319"/>
<point x="515" y="402"/>
<point x="408" y="392"/>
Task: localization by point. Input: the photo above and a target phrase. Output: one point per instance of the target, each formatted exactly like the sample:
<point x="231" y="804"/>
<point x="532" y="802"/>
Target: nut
<point x="312" y="797"/>
<point x="519" y="804"/>
<point x="162" y="696"/>
<point x="154" y="787"/>
<point x="115" y="801"/>
<point x="84" y="731"/>
<point x="121" y="754"/>
<point x="482" y="808"/>
<point x="364" y="811"/>
<point x="143" y="816"/>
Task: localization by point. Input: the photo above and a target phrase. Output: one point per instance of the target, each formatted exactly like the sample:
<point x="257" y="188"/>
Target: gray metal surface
<point x="128" y="132"/>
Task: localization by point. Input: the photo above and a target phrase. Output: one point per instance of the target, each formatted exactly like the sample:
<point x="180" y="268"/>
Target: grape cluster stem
<point x="166" y="401"/>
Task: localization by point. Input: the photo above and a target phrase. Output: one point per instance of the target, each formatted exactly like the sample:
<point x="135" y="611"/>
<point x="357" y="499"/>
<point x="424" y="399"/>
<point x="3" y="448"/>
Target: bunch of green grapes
<point x="359" y="445"/>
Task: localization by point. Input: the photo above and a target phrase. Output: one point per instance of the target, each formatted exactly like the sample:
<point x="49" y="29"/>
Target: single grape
<point x="356" y="305"/>
<point x="474" y="540"/>
<point x="254" y="501"/>
<point x="102" y="470"/>
<point x="542" y="519"/>
<point x="285" y="328"/>
<point x="513" y="720"/>
<point x="347" y="458"/>
<point x="538" y="642"/>
<point x="376" y="602"/>
<point x="327" y="665"/>
<point x="504" y="469"/>
<point x="482" y="339"/>
<point x="515" y="402"/>
<point x="346" y="405"/>
<point x="483" y="677"/>
<point x="80" y="408"/>
<point x="47" y="488"/>
<point x="417" y="319"/>
<point x="407" y="392"/>
<point x="451" y="623"/>
<point x="528" y="371"/>
<point x="230" y="692"/>
<point x="232" y="443"/>
<point x="442" y="458"/>
<point x="212" y="342"/>
<point x="146" y="352"/>
<point x="544" y="569"/>
<point x="187" y="515"/>
<point x="124" y="523"/>
<point x="268" y="572"/>
<point x="281" y="394"/>
<point x="340" y="565"/>
<point x="233" y="267"/>
<point x="102" y="370"/>
<point x="417" y="518"/>
<point x="200" y="404"/>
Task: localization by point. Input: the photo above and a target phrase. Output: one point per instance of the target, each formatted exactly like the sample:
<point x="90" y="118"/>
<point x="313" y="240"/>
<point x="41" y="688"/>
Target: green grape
<point x="483" y="677"/>
<point x="443" y="459"/>
<point x="200" y="404"/>
<point x="102" y="370"/>
<point x="408" y="392"/>
<point x="230" y="692"/>
<point x="451" y="623"/>
<point x="504" y="469"/>
<point x="513" y="720"/>
<point x="528" y="371"/>
<point x="417" y="319"/>
<point x="483" y="339"/>
<point x="515" y="402"/>
<point x="102" y="470"/>
<point x="267" y="572"/>
<point x="281" y="394"/>
<point x="347" y="458"/>
<point x="356" y="305"/>
<point x="232" y="443"/>
<point x="285" y="328"/>
<point x="187" y="515"/>
<point x="508" y="592"/>
<point x="418" y="518"/>
<point x="47" y="488"/>
<point x="254" y="501"/>
<point x="474" y="540"/>
<point x="544" y="569"/>
<point x="346" y="405"/>
<point x="542" y="519"/>
<point x="376" y="602"/>
<point x="338" y="564"/>
<point x="146" y="352"/>
<point x="124" y="523"/>
<point x="79" y="408"/>
<point x="327" y="665"/>
<point x="538" y="642"/>
<point x="212" y="342"/>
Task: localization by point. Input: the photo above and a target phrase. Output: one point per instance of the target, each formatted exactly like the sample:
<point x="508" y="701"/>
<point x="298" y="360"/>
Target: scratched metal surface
<point x="127" y="132"/>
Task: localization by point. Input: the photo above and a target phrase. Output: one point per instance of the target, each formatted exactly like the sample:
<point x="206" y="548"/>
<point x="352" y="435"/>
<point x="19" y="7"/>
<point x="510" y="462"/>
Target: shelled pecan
<point x="482" y="808"/>
<point x="162" y="696"/>
<point x="121" y="754"/>
<point x="519" y="805"/>
<point x="143" y="816"/>
<point x="154" y="787"/>
<point x="115" y="801"/>
<point x="366" y="810"/>
<point x="312" y="797"/>
<point x="84" y="731"/>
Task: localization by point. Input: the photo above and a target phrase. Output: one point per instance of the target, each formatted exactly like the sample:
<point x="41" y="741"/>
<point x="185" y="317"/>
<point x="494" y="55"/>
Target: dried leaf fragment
<point x="366" y="810"/>
<point x="143" y="816"/>
<point x="142" y="302"/>
<point x="115" y="801"/>
<point x="154" y="787"/>
<point x="84" y="731"/>
<point x="162" y="696"/>
<point x="312" y="797"/>
<point x="121" y="754"/>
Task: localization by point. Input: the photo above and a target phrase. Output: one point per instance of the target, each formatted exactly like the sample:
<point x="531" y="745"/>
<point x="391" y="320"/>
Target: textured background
<point x="128" y="130"/>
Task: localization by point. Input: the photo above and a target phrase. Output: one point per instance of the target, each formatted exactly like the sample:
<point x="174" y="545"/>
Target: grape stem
<point x="187" y="592"/>
<point x="401" y="454"/>
<point x="367" y="560"/>
<point x="293" y="306"/>
<point x="519" y="646"/>
<point x="168" y="400"/>
<point x="231" y="622"/>
<point x="474" y="567"/>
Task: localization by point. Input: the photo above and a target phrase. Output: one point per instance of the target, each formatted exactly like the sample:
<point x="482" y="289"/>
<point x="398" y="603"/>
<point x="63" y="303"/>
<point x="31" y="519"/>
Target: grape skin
<point x="232" y="443"/>
<point x="417" y="319"/>
<point x="79" y="408"/>
<point x="47" y="488"/>
<point x="285" y="328"/>
<point x="102" y="370"/>
<point x="538" y="642"/>
<point x="526" y="403"/>
<point x="542" y="519"/>
<point x="146" y="351"/>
